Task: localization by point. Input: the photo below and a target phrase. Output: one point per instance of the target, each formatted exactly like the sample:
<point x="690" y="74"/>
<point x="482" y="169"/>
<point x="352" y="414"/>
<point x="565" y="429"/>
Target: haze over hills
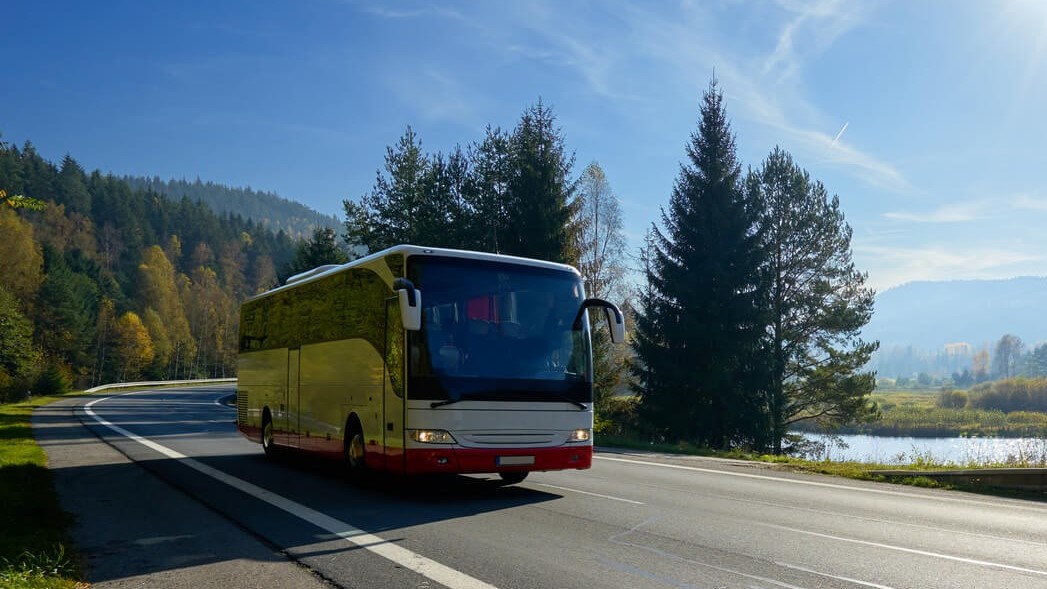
<point x="929" y="315"/>
<point x="268" y="209"/>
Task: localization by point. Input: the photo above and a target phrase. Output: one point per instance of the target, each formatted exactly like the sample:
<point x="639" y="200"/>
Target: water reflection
<point x="909" y="450"/>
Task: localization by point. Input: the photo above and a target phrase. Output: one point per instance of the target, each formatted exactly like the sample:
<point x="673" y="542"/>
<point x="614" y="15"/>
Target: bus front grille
<point x="505" y="439"/>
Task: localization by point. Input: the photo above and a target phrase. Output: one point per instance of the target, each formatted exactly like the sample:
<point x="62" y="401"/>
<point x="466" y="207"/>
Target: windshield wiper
<point x="567" y="399"/>
<point x="436" y="404"/>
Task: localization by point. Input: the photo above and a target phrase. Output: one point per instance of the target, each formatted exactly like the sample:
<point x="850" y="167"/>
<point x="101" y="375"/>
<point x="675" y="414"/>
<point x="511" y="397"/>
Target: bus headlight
<point x="580" y="435"/>
<point x="432" y="436"/>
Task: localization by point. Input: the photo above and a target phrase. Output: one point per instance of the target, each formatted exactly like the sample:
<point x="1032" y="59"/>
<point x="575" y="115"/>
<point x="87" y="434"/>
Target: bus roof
<point x="412" y="250"/>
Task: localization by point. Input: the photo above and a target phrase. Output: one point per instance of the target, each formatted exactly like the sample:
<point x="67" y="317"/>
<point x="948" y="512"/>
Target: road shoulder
<point x="134" y="530"/>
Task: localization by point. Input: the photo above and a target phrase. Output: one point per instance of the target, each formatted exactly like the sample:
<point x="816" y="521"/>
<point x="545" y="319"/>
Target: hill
<point x="267" y="209"/>
<point x="105" y="283"/>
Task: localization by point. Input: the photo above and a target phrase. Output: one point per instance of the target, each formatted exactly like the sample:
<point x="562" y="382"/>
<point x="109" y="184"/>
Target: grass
<point x="34" y="551"/>
<point x="852" y="470"/>
<point x="916" y="413"/>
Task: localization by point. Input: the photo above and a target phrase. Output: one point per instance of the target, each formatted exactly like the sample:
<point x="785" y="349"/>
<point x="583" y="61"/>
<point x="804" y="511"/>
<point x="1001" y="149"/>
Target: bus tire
<point x="511" y="478"/>
<point x="355" y="448"/>
<point x="268" y="434"/>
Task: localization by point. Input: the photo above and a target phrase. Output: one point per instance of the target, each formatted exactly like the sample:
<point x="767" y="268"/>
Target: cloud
<point x="434" y="95"/>
<point x="1029" y="202"/>
<point x="689" y="47"/>
<point x="951" y="213"/>
<point x="892" y="265"/>
<point x="813" y="28"/>
<point x="640" y="54"/>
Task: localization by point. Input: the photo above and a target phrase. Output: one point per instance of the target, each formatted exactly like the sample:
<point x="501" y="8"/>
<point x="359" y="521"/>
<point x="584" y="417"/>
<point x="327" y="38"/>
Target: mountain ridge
<point x="268" y="209"/>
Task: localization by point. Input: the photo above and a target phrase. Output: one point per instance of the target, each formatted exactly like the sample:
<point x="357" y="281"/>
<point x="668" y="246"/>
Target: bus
<point x="424" y="360"/>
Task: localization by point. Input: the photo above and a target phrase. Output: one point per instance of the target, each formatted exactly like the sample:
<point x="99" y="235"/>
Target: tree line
<point x="749" y="311"/>
<point x="104" y="283"/>
<point x="264" y="208"/>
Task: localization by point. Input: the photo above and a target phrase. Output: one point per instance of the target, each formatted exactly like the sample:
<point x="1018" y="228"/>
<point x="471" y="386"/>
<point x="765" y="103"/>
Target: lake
<point x="903" y="450"/>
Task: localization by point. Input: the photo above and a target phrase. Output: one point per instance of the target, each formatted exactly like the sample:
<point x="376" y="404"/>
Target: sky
<point x="927" y="119"/>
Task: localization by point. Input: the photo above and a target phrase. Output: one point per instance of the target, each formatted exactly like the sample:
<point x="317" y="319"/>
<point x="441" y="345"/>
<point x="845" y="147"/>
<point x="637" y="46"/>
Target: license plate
<point x="514" y="460"/>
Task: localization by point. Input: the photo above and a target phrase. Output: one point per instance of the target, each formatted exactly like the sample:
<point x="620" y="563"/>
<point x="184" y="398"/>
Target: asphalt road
<point x="633" y="520"/>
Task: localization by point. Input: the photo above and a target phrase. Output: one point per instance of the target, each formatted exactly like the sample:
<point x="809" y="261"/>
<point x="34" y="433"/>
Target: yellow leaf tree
<point x="134" y="348"/>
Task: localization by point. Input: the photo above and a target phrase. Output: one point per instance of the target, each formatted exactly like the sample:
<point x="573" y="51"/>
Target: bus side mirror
<point x="616" y="323"/>
<point x="410" y="304"/>
<point x="615" y="319"/>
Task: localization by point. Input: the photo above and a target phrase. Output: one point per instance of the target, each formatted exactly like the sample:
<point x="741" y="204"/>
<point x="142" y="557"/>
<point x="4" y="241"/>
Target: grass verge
<point x="851" y="470"/>
<point x="35" y="550"/>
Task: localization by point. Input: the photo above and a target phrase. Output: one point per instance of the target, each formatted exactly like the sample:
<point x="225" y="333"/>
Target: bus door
<point x="393" y="411"/>
<point x="293" y="400"/>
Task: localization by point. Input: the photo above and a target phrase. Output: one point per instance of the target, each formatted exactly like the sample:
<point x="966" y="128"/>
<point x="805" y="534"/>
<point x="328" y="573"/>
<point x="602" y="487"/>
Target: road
<point x="633" y="520"/>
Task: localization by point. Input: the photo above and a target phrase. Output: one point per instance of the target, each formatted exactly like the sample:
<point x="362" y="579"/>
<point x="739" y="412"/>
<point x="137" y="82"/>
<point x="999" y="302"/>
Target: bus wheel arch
<point x="354" y="445"/>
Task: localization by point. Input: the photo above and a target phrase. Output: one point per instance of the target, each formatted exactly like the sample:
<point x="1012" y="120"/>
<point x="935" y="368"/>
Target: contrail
<point x="838" y="135"/>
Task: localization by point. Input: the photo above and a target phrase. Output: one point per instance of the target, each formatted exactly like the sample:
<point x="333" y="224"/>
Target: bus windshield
<point x="492" y="320"/>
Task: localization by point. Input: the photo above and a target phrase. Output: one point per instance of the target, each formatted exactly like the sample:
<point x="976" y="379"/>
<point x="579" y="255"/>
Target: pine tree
<point x="320" y="250"/>
<point x="699" y="331"/>
<point x="491" y="167"/>
<point x="449" y="191"/>
<point x="396" y="210"/>
<point x="539" y="195"/>
<point x="817" y="299"/>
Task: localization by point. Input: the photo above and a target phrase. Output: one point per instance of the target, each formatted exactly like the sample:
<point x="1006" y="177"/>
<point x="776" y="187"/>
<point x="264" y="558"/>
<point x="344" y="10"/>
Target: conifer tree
<point x="540" y="196"/>
<point x="491" y="169"/>
<point x="320" y="250"/>
<point x="817" y="299"/>
<point x="700" y="320"/>
<point x="396" y="210"/>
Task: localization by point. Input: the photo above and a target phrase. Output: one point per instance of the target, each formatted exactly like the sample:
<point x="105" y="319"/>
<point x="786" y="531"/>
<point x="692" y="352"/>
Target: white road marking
<point x="838" y="578"/>
<point x="616" y="539"/>
<point x="401" y="556"/>
<point x="984" y="563"/>
<point x="588" y="493"/>
<point x="936" y="498"/>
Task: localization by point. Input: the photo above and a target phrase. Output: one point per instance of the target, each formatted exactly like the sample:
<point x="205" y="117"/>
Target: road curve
<point x="633" y="520"/>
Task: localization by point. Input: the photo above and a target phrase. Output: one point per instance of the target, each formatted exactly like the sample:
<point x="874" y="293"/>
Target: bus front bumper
<point x="483" y="460"/>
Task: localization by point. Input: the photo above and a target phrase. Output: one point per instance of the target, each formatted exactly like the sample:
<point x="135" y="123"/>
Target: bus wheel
<point x="511" y="478"/>
<point x="268" y="435"/>
<point x="355" y="449"/>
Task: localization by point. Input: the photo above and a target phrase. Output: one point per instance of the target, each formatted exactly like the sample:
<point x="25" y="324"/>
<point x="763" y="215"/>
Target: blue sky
<point x="928" y="119"/>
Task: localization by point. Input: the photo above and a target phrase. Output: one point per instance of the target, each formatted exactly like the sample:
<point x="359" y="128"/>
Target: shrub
<point x="618" y="416"/>
<point x="53" y="380"/>
<point x="1013" y="394"/>
<point x="950" y="399"/>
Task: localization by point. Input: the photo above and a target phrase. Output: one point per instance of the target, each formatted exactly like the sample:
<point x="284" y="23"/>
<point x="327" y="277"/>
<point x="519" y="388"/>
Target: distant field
<point x="908" y="412"/>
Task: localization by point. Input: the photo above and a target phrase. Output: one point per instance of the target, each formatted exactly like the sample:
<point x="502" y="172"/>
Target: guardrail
<point x="154" y="383"/>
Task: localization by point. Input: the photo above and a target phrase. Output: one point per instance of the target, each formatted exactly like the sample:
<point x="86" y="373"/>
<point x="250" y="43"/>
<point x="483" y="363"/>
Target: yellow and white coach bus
<point x="423" y="360"/>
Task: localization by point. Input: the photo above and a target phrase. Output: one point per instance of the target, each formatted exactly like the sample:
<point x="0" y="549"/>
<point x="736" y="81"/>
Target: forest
<point x="265" y="208"/>
<point x="106" y="283"/>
